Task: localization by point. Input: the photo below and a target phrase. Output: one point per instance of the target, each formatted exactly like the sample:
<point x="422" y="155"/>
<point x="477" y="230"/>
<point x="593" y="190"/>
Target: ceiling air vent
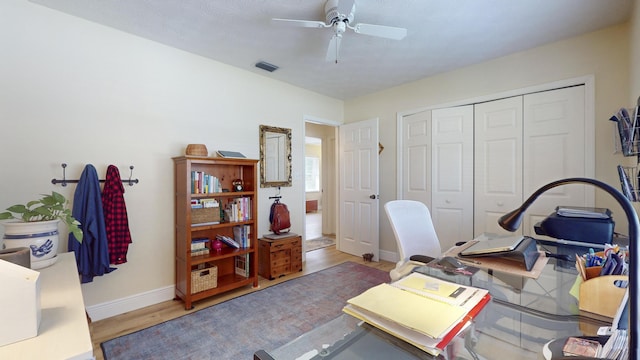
<point x="266" y="66"/>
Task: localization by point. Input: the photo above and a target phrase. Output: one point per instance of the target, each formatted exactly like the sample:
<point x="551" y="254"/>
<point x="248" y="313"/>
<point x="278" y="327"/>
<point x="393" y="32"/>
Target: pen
<point x="468" y="260"/>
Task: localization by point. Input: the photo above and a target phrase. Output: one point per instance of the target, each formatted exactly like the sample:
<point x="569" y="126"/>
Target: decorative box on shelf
<point x="204" y="279"/>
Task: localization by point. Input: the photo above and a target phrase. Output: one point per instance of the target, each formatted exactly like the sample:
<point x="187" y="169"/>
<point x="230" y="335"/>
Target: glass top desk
<point x="524" y="315"/>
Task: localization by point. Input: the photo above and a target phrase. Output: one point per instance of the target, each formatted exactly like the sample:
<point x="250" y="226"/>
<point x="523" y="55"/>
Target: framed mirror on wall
<point x="275" y="156"/>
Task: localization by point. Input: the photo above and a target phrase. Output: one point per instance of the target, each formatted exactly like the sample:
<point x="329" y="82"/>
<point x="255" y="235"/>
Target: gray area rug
<point x="264" y="319"/>
<point x="319" y="243"/>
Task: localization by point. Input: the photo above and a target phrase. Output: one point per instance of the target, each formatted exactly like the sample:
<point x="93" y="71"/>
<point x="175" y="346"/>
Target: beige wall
<point x="634" y="44"/>
<point x="604" y="54"/>
<point x="76" y="92"/>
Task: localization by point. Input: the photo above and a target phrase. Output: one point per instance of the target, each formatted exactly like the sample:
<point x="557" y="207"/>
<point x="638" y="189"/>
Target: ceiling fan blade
<point x="346" y="7"/>
<point x="300" y="23"/>
<point x="388" y="32"/>
<point x="333" y="49"/>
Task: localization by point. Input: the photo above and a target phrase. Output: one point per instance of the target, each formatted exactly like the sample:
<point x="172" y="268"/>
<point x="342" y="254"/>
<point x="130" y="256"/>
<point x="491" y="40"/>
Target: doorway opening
<point x="320" y="186"/>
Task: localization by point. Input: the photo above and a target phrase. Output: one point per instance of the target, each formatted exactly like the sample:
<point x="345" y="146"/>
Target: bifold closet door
<point x="523" y="143"/>
<point x="554" y="148"/>
<point x="498" y="162"/>
<point x="416" y="157"/>
<point x="452" y="178"/>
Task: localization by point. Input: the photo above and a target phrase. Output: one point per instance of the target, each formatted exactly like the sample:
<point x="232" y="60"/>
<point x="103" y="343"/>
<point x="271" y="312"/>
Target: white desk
<point x="64" y="331"/>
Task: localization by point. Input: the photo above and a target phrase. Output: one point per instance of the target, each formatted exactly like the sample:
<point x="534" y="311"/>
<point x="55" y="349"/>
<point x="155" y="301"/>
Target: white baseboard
<point x="389" y="256"/>
<point x="130" y="303"/>
<point x="138" y="301"/>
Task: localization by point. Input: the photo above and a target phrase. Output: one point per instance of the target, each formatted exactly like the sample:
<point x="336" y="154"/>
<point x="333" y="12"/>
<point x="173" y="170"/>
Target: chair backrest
<point x="413" y="228"/>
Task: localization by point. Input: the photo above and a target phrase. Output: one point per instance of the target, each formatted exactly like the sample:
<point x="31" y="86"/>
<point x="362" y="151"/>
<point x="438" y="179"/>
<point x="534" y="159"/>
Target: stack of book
<point x="203" y="183"/>
<point x="199" y="246"/>
<point x="242" y="235"/>
<point x="239" y="209"/>
<point x="424" y="311"/>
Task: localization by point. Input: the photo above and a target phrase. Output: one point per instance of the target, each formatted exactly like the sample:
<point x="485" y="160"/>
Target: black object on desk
<point x="576" y="228"/>
<point x="525" y="253"/>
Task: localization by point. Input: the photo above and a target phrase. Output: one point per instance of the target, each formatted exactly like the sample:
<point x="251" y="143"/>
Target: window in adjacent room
<point x="312" y="174"/>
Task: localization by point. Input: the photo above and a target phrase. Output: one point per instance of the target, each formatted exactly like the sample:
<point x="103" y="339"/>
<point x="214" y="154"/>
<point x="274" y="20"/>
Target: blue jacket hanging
<point x="92" y="255"/>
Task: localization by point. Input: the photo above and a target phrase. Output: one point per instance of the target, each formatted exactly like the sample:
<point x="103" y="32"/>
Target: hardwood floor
<point x="123" y="324"/>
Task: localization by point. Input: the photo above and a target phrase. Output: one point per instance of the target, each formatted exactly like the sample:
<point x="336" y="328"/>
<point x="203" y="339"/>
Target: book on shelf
<point x="421" y="310"/>
<point x="203" y="183"/>
<point x="242" y="265"/>
<point x="198" y="252"/>
<point x="239" y="209"/>
<point x="241" y="234"/>
<point x="228" y="241"/>
<point x="230" y="154"/>
<point x="199" y="243"/>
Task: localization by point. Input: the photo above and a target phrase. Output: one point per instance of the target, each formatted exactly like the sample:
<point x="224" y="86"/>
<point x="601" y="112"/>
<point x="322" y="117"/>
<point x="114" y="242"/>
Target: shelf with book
<point x="203" y="214"/>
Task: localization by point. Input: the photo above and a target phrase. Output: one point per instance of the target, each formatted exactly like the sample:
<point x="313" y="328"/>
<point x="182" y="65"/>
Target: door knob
<point x="373" y="197"/>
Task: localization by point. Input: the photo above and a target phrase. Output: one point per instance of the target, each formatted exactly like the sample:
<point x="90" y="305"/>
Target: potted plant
<point x="35" y="226"/>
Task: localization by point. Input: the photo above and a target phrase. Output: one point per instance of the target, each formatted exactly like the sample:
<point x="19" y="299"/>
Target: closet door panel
<point x="498" y="162"/>
<point x="554" y="148"/>
<point x="416" y="167"/>
<point x="452" y="180"/>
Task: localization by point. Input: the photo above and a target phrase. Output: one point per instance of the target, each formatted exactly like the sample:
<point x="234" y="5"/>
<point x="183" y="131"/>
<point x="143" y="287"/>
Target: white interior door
<point x="452" y="180"/>
<point x="416" y="157"/>
<point x="358" y="231"/>
<point x="498" y="162"/>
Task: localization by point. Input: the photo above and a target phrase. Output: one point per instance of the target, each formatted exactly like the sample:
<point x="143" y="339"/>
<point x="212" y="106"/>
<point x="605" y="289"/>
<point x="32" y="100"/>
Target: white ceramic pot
<point x="40" y="237"/>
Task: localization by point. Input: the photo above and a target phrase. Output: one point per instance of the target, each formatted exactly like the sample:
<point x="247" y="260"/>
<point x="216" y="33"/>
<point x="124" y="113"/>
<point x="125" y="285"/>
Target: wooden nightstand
<point x="279" y="257"/>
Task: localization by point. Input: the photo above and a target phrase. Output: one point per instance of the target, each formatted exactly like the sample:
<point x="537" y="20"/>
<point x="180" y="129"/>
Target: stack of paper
<point x="421" y="310"/>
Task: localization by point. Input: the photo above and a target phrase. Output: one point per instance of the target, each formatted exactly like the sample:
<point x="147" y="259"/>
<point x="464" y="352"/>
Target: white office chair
<point x="414" y="232"/>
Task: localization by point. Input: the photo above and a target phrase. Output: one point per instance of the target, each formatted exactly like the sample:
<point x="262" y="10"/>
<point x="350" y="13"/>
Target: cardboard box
<point x="19" y="303"/>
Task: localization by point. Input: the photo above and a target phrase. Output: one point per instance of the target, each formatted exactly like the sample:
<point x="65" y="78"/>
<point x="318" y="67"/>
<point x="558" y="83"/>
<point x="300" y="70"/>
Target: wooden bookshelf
<point x="188" y="174"/>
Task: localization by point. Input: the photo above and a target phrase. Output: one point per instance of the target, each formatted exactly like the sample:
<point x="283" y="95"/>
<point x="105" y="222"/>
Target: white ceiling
<point x="442" y="35"/>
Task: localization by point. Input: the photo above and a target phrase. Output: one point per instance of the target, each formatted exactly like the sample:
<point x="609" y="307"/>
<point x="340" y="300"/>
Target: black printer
<point x="581" y="224"/>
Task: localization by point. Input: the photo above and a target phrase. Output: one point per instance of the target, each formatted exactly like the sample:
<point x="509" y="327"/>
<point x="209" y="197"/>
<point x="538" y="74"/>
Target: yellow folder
<point x="430" y="317"/>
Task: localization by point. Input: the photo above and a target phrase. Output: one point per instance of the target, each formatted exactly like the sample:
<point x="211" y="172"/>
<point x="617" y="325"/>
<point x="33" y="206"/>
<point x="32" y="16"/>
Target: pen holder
<point x="593" y="272"/>
<point x="600" y="296"/>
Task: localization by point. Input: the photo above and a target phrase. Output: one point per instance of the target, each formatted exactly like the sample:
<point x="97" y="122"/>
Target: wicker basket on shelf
<point x="204" y="279"/>
<point x="197" y="150"/>
<point x="206" y="215"/>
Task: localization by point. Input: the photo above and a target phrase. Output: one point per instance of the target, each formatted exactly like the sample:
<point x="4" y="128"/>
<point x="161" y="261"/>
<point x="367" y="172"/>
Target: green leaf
<point x="58" y="197"/>
<point x="6" y="215"/>
<point x="19" y="209"/>
<point x="77" y="233"/>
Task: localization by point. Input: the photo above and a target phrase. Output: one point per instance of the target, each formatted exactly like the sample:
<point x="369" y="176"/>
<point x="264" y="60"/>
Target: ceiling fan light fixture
<point x="266" y="66"/>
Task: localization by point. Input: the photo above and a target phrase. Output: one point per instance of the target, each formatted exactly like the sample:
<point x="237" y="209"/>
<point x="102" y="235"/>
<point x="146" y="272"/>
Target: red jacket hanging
<point x="115" y="217"/>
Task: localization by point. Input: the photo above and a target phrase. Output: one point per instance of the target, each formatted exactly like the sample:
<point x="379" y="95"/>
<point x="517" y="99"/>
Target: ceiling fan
<point x="339" y="16"/>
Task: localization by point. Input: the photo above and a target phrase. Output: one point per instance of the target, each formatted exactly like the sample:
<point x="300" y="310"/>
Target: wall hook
<point x="277" y="197"/>
<point x="62" y="182"/>
<point x="132" y="181"/>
